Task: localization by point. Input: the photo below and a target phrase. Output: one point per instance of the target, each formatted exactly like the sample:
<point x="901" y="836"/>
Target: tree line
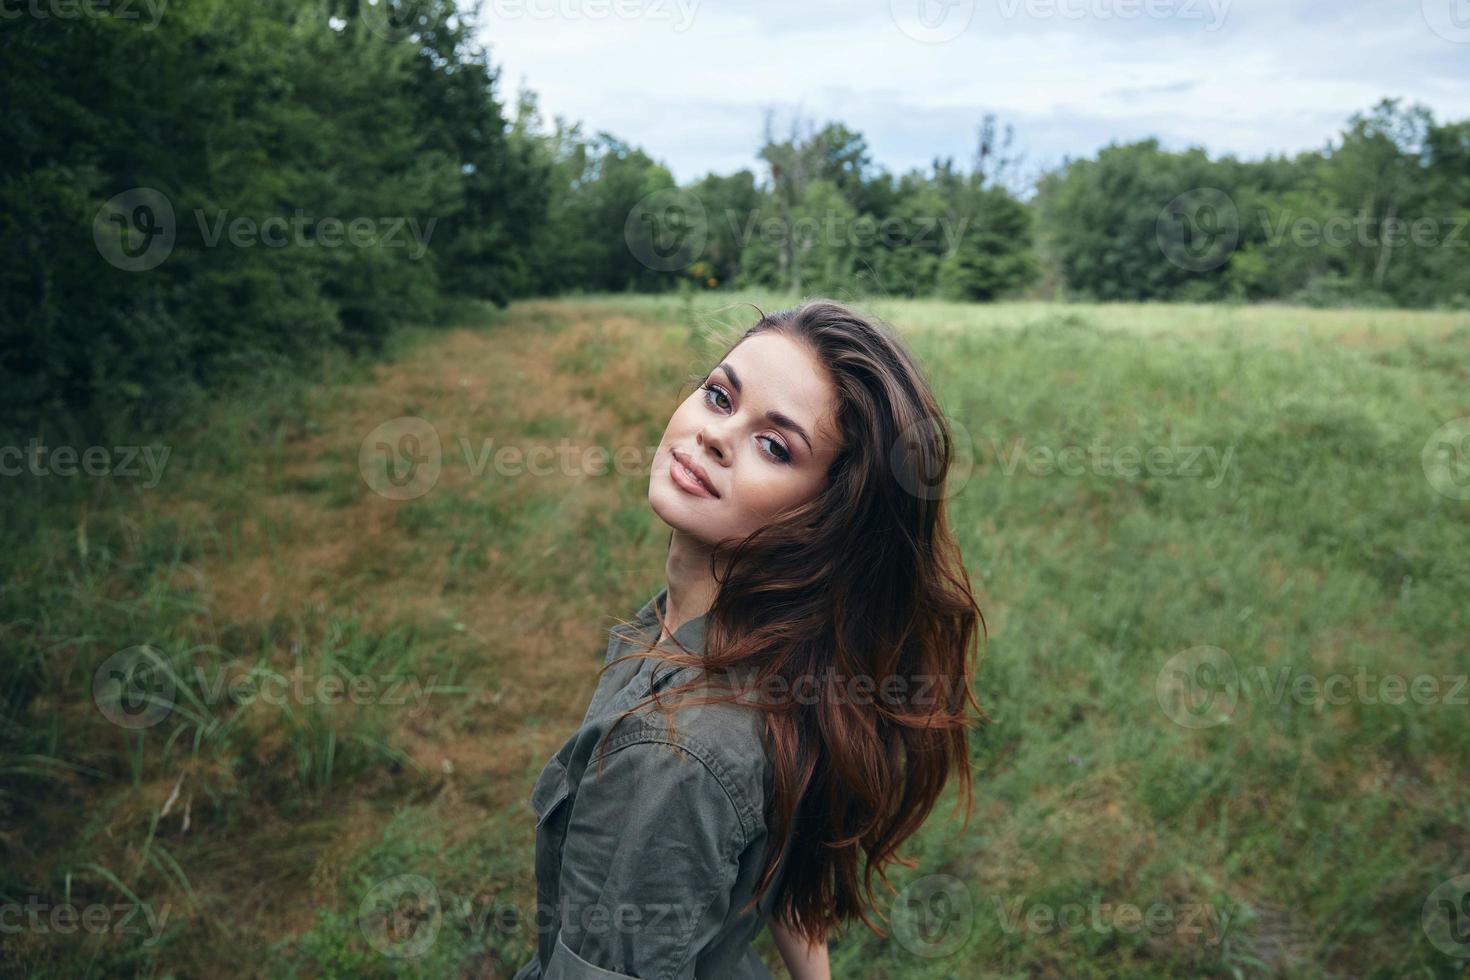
<point x="1378" y="217"/>
<point x="236" y="187"/>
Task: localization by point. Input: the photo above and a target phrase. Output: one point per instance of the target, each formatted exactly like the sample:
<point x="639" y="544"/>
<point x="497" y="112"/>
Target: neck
<point x="692" y="586"/>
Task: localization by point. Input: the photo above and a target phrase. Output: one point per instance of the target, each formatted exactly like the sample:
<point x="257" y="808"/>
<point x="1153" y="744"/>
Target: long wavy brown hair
<point x="863" y="581"/>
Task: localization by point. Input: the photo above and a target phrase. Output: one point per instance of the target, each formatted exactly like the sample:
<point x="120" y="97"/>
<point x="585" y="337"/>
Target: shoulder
<point x="722" y="744"/>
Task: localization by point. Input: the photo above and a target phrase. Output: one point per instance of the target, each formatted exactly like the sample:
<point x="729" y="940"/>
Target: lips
<point x="699" y="473"/>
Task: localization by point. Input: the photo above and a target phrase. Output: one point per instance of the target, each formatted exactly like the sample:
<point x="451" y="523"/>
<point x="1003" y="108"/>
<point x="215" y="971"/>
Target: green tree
<point x="302" y="177"/>
<point x="1139" y="222"/>
<point x="993" y="257"/>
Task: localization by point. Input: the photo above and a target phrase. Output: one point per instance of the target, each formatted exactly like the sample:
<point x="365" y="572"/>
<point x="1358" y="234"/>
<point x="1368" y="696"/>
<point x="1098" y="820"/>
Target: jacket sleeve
<point x="649" y="862"/>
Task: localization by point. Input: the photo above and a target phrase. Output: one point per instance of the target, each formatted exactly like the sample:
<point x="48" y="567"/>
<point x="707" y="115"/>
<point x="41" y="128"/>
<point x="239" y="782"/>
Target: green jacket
<point x="642" y="872"/>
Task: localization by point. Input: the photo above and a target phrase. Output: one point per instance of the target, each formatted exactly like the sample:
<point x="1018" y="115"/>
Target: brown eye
<point x="710" y="389"/>
<point x="777" y="451"/>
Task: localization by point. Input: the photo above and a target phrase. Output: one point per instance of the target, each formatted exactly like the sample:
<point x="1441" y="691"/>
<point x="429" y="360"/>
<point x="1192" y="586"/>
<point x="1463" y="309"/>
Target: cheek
<point x="686" y="417"/>
<point x="768" y="491"/>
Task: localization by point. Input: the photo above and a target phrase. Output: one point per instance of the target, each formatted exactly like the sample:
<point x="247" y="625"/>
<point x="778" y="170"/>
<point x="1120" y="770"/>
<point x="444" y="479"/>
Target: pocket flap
<point x="567" y="965"/>
<point x="551" y="789"/>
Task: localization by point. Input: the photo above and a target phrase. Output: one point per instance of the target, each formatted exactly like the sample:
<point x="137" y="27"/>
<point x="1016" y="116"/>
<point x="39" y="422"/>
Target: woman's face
<point x="744" y="429"/>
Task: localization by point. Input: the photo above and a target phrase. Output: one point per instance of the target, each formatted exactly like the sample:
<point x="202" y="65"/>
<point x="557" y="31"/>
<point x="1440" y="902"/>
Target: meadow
<point x="1223" y="556"/>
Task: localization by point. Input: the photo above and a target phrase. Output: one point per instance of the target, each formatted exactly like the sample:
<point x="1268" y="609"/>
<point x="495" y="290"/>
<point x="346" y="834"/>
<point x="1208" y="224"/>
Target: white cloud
<point x="689" y="80"/>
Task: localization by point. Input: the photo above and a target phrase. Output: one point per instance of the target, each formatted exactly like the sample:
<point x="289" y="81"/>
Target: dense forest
<point x="228" y="187"/>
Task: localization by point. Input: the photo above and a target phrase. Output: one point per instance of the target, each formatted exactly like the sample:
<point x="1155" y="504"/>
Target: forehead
<point x="777" y="373"/>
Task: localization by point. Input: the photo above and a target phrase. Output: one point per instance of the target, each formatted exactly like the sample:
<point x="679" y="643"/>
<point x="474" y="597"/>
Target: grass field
<point x="1228" y="643"/>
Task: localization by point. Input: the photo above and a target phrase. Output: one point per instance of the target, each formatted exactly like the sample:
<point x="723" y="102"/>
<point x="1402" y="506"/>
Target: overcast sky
<point x="690" y="81"/>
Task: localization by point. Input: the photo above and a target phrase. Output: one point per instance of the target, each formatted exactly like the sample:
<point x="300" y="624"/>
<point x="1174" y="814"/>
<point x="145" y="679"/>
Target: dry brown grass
<point x="272" y="552"/>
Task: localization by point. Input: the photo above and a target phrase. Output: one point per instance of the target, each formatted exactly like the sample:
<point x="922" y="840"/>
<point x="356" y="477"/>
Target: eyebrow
<point x="778" y="418"/>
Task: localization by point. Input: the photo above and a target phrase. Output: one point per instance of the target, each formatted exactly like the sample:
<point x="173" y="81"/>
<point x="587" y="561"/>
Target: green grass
<point x="1274" y="324"/>
<point x="1277" y="835"/>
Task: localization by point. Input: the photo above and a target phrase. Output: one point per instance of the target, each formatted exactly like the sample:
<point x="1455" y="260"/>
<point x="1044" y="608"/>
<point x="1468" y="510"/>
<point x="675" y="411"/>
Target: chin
<point x="671" y="504"/>
<point x="678" y="509"/>
<point x="663" y="497"/>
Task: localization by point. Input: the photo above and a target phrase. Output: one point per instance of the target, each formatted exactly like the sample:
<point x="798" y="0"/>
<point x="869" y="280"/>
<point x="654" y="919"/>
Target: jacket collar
<point x="690" y="634"/>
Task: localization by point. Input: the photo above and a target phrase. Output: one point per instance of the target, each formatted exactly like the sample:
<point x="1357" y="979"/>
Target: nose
<point x="711" y="439"/>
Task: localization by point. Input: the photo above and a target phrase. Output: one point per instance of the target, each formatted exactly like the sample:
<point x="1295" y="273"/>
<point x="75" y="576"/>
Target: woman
<point x="809" y="659"/>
